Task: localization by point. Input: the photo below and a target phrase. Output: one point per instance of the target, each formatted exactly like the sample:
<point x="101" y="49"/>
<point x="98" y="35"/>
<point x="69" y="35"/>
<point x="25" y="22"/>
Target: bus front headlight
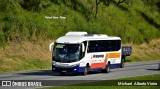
<point x="74" y="65"/>
<point x="82" y="64"/>
<point x="53" y="63"/>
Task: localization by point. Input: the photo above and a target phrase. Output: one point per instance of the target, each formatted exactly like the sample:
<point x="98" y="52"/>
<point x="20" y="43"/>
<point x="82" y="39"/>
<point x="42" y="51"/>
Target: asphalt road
<point x="130" y="69"/>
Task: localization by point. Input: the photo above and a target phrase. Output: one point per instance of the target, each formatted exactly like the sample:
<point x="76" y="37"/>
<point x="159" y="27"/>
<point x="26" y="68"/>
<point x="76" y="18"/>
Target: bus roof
<point x="79" y="37"/>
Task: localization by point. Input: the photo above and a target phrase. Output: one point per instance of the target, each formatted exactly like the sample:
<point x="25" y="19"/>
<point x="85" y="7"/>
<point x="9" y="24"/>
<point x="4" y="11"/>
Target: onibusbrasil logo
<point x="21" y="83"/>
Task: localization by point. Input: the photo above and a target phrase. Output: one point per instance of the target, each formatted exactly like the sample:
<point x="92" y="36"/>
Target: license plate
<point x="64" y="71"/>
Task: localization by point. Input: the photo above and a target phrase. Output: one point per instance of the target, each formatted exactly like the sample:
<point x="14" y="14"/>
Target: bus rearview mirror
<point x="83" y="47"/>
<point x="50" y="46"/>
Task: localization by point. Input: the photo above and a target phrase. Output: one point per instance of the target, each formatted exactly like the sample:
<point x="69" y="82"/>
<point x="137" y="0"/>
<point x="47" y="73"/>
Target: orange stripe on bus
<point x="114" y="55"/>
<point x="97" y="65"/>
<point x="105" y="61"/>
<point x="100" y="64"/>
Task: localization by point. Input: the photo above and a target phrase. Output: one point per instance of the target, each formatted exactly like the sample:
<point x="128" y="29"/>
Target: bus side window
<point x="91" y="46"/>
<point x="104" y="46"/>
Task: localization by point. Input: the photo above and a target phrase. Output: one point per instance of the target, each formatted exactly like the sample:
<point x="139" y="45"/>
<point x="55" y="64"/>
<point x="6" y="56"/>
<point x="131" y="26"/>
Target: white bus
<point x="82" y="52"/>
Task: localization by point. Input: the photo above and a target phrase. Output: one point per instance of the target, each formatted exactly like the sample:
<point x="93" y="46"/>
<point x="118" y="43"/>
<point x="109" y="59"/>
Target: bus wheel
<point x="122" y="63"/>
<point x="62" y="73"/>
<point x="107" y="70"/>
<point x="85" y="71"/>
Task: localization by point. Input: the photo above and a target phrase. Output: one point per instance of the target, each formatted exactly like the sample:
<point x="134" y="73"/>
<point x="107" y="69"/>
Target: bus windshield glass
<point x="66" y="53"/>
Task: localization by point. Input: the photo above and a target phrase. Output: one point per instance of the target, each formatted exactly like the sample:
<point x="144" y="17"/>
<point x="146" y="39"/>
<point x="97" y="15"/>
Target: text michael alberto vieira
<point x="138" y="83"/>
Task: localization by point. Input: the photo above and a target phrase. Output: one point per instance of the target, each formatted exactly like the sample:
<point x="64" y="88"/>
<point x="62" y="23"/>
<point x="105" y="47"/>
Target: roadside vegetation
<point x="98" y="84"/>
<point x="147" y="51"/>
<point x="28" y="26"/>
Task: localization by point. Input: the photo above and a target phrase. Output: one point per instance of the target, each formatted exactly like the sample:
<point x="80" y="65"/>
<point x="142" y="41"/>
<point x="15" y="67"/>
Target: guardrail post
<point x="159" y="65"/>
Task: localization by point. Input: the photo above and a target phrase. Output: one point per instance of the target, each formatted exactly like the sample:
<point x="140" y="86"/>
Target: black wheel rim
<point x="85" y="71"/>
<point x="107" y="68"/>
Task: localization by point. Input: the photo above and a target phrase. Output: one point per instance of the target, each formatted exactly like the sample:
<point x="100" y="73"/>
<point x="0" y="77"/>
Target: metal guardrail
<point x="159" y="65"/>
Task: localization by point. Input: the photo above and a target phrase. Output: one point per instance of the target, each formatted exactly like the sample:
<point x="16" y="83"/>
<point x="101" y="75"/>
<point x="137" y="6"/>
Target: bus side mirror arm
<point x="83" y="48"/>
<point x="50" y="46"/>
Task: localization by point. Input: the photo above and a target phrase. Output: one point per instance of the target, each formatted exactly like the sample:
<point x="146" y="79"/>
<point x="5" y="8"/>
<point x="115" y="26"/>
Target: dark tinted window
<point x="104" y="45"/>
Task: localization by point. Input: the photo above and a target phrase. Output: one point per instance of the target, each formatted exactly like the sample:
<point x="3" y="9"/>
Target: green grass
<point x="92" y="84"/>
<point x="134" y="20"/>
<point x="24" y="64"/>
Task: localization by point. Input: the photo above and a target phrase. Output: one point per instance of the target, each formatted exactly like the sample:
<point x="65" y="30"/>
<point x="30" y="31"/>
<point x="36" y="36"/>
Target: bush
<point x="24" y="20"/>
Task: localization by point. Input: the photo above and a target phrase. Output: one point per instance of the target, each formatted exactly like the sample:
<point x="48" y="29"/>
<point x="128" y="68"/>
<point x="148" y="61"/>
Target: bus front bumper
<point x="76" y="68"/>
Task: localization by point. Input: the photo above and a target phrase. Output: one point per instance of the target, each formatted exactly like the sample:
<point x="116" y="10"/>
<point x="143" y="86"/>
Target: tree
<point x="120" y="1"/>
<point x="105" y="2"/>
<point x="31" y="5"/>
<point x="97" y="3"/>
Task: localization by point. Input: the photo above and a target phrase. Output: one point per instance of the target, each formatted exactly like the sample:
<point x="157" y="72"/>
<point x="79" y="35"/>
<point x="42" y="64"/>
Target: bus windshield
<point x="66" y="53"/>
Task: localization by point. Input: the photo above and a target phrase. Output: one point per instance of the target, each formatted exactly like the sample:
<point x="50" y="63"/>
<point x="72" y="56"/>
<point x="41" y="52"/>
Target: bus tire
<point x="108" y="68"/>
<point x="86" y="70"/>
<point x="122" y="63"/>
